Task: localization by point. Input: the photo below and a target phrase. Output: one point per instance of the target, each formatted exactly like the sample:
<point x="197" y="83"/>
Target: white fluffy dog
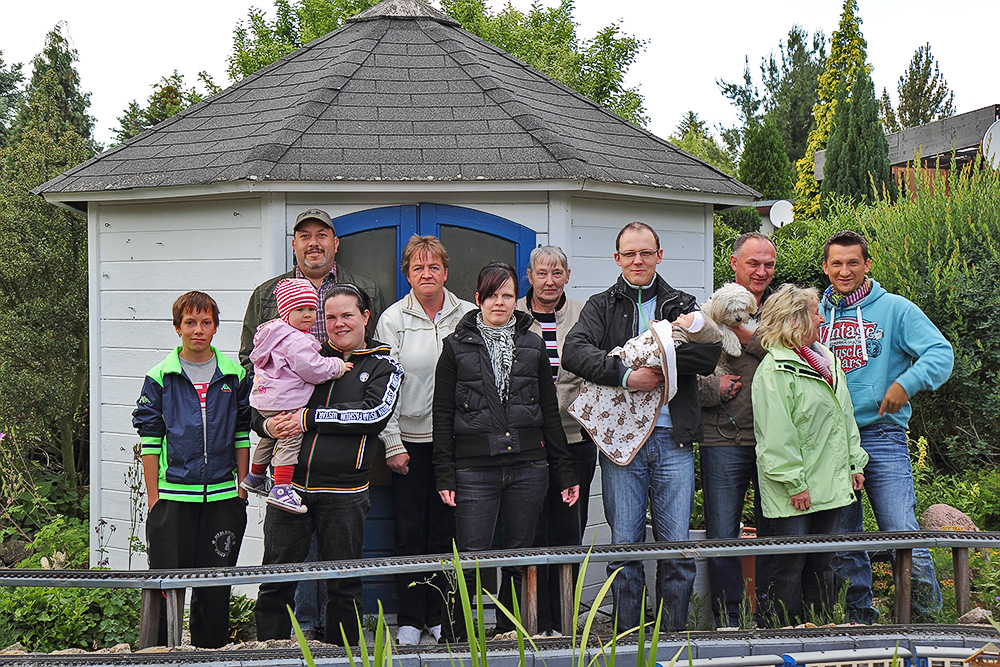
<point x="731" y="306"/>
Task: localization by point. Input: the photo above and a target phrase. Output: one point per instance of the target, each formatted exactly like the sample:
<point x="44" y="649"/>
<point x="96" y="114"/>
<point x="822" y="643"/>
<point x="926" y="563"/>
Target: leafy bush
<point x="743" y="220"/>
<point x="48" y="619"/>
<point x="68" y="536"/>
<point x="941" y="250"/>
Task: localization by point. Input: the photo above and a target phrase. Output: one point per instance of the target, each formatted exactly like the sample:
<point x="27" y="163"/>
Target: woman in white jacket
<point x="415" y="327"/>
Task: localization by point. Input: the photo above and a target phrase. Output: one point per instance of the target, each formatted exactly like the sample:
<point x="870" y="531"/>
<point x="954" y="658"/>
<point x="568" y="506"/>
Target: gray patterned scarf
<point x="500" y="346"/>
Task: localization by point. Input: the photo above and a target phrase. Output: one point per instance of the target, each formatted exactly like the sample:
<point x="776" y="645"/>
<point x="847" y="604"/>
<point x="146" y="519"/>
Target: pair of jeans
<point x="726" y="474"/>
<point x="515" y="493"/>
<point x="889" y="485"/>
<point x="801" y="584"/>
<point x="182" y="535"/>
<point x="310" y="597"/>
<point x="562" y="525"/>
<point x="423" y="525"/>
<point x="661" y="476"/>
<point x="338" y="521"/>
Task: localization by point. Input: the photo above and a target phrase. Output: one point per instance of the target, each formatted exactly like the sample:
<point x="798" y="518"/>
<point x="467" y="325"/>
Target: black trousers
<point x="182" y="535"/>
<point x="562" y="525"/>
<point x="424" y="525"/>
<point x="801" y="584"/>
<point x="338" y="519"/>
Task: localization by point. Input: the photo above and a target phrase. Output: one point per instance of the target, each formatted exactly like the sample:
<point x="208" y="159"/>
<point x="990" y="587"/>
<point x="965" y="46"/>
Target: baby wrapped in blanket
<point x="620" y="420"/>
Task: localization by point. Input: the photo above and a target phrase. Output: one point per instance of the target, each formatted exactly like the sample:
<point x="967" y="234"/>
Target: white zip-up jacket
<point x="416" y="343"/>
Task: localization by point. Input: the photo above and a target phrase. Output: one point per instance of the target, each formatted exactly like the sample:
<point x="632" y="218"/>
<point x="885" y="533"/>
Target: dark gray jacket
<point x="610" y="318"/>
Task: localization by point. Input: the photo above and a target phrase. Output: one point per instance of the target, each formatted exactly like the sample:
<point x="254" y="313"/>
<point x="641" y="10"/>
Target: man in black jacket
<point x="662" y="473"/>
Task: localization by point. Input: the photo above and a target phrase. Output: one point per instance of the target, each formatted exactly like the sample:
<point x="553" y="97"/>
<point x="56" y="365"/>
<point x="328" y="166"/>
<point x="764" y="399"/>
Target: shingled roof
<point x="399" y="93"/>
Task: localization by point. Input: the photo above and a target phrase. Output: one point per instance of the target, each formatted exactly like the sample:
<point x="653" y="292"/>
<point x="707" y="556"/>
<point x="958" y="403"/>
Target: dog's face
<point x="732" y="305"/>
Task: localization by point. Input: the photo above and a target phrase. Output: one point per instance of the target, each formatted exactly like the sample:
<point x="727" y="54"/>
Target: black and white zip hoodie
<point x="342" y="421"/>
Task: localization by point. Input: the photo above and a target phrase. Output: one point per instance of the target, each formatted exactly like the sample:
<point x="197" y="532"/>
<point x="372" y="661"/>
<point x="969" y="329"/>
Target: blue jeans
<point x="515" y="493"/>
<point x="726" y="473"/>
<point x="310" y="597"/>
<point x="889" y="485"/>
<point x="661" y="476"/>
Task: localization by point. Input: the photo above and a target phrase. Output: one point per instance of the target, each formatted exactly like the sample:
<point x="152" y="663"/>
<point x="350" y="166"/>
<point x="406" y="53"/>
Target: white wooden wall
<point x="145" y="255"/>
<point x="142" y="257"/>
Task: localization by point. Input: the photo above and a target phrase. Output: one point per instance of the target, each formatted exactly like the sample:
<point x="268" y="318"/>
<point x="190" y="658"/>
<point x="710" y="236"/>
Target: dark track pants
<point x="182" y="535"/>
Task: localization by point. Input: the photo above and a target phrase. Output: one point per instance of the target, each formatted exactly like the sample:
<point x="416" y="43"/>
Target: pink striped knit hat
<point x="292" y="293"/>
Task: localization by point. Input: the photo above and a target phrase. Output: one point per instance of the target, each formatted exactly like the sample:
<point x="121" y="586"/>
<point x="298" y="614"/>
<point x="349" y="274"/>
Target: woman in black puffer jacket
<point x="496" y="424"/>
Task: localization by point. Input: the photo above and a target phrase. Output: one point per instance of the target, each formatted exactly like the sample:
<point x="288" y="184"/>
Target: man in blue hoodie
<point x="889" y="350"/>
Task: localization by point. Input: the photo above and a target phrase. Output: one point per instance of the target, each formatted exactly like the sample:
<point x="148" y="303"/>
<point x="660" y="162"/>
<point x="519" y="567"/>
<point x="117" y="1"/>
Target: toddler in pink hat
<point x="287" y="366"/>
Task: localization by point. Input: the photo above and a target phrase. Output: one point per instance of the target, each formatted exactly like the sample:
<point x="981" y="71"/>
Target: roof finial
<point x="404" y="9"/>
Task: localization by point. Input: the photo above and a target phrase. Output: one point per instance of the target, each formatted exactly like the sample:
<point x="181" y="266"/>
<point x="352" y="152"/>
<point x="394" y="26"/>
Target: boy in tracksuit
<point x="193" y="417"/>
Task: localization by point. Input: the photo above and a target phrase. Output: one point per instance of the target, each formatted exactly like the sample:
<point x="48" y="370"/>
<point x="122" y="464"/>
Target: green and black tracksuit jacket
<point x="167" y="416"/>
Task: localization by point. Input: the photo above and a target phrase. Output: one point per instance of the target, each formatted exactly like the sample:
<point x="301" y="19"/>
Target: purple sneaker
<point x="258" y="484"/>
<point x="283" y="496"/>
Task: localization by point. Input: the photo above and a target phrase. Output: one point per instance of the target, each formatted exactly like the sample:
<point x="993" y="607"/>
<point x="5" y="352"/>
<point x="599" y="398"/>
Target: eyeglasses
<point x="645" y="254"/>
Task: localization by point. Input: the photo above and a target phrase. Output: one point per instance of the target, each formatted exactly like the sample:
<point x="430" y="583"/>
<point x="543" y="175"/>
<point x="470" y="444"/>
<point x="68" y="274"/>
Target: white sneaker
<point x="407" y="635"/>
<point x="435" y="632"/>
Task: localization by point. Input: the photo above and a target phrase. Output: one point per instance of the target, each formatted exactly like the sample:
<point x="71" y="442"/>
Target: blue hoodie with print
<point x="885" y="338"/>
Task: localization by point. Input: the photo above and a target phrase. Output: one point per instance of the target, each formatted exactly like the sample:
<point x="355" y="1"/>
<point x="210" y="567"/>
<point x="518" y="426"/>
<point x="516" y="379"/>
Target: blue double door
<point x="371" y="243"/>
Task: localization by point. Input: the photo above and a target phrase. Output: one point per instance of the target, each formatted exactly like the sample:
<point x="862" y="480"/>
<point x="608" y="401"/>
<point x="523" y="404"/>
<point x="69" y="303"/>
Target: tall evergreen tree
<point x="43" y="285"/>
<point x="763" y="164"/>
<point x="887" y="114"/>
<point x="169" y="96"/>
<point x="59" y="57"/>
<point x="790" y="87"/>
<point x="694" y="137"/>
<point x="857" y="153"/>
<point x="747" y="101"/>
<point x="924" y="95"/>
<point x="848" y="53"/>
<point x="543" y="37"/>
<point x="788" y="95"/>
<point x="10" y="96"/>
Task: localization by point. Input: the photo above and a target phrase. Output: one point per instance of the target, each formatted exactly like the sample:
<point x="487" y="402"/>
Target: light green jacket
<point x="806" y="435"/>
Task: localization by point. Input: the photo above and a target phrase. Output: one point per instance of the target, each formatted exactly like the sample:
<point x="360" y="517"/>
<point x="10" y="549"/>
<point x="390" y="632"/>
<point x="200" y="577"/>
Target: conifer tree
<point x="857" y="153"/>
<point x="43" y="285"/>
<point x="10" y="96"/>
<point x="848" y="52"/>
<point x="887" y="114"/>
<point x="764" y="164"/>
<point x="72" y="104"/>
<point x="923" y="92"/>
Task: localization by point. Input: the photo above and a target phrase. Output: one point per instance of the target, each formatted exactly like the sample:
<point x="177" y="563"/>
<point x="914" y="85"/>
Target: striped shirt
<point x="548" y="324"/>
<point x="329" y="280"/>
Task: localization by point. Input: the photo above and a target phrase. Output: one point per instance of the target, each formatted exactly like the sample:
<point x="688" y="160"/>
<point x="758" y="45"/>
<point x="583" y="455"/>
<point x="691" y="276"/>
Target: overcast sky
<point x="125" y="47"/>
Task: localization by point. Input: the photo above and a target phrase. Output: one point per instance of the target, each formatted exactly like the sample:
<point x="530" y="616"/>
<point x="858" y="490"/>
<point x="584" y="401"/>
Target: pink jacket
<point x="287" y="365"/>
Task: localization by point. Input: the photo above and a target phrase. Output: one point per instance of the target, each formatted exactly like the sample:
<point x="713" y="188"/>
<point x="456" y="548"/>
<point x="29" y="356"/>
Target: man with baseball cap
<point x="315" y="244"/>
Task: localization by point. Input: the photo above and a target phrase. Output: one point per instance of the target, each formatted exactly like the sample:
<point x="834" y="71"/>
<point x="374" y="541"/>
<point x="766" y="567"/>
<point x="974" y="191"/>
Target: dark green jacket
<point x="263" y="307"/>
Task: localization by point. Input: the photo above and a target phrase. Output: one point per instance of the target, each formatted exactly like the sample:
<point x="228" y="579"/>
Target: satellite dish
<point x="991" y="145"/>
<point x="781" y="210"/>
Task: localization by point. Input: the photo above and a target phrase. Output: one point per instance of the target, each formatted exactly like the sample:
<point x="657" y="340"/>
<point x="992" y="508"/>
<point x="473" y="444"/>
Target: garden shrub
<point x="48" y="619"/>
<point x="941" y="250"/>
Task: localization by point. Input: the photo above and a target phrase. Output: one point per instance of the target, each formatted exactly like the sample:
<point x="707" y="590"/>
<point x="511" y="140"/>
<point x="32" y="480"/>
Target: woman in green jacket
<point x="809" y="455"/>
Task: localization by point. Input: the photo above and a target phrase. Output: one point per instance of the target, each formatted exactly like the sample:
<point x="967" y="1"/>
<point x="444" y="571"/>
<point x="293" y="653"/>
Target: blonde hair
<point x="785" y="320"/>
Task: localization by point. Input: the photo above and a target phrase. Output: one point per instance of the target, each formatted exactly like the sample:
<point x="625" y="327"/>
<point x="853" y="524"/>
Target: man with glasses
<point x="661" y="475"/>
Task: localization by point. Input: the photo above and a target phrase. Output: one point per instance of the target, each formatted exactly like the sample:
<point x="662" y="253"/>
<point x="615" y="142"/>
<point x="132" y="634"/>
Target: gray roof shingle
<point x="399" y="93"/>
